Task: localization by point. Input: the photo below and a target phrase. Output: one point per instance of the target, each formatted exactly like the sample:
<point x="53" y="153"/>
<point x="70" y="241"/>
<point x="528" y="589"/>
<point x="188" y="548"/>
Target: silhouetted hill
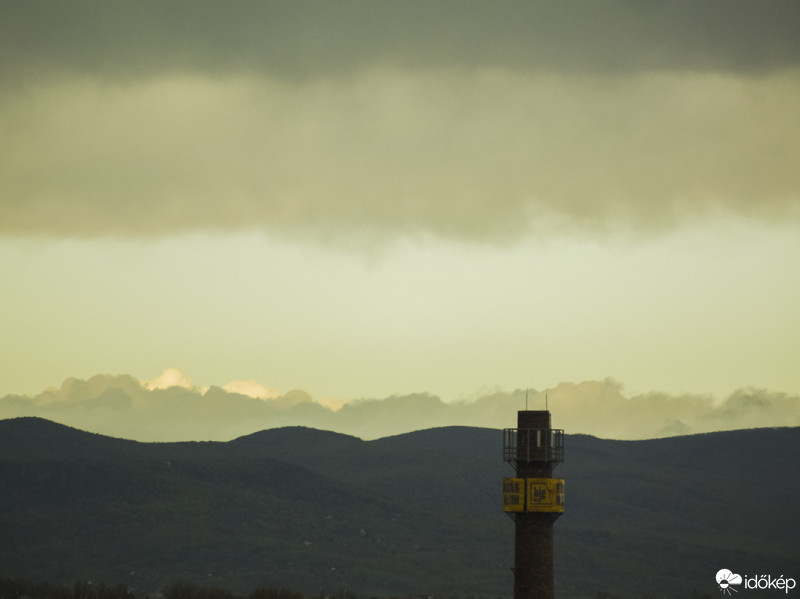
<point x="419" y="512"/>
<point x="30" y="437"/>
<point x="297" y="441"/>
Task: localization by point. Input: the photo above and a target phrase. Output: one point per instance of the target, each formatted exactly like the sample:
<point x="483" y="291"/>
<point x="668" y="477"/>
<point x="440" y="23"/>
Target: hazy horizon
<point x="450" y="200"/>
<point x="171" y="408"/>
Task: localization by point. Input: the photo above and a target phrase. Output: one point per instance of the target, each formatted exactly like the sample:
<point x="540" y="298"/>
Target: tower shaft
<point x="533" y="533"/>
<point x="534" y="448"/>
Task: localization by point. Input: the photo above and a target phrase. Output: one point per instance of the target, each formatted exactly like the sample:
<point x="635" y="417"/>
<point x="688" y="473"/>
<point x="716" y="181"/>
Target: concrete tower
<point x="534" y="499"/>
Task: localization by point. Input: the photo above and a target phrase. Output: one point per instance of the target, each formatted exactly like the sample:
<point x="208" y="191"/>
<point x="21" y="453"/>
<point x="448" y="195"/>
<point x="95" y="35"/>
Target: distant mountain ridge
<point x="418" y="512"/>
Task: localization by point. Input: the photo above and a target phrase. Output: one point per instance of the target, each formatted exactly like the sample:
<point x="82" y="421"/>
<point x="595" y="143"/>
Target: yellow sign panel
<point x="545" y="495"/>
<point x="513" y="494"/>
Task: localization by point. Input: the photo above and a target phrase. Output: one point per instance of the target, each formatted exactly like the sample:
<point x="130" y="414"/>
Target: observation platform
<point x="540" y="445"/>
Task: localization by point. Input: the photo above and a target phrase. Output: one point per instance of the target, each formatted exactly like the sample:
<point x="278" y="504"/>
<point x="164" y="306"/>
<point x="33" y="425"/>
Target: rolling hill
<point x="415" y="513"/>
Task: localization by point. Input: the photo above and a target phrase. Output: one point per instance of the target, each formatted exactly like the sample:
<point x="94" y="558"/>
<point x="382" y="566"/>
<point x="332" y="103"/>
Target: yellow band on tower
<point x="513" y="494"/>
<point x="533" y="494"/>
<point x="545" y="495"/>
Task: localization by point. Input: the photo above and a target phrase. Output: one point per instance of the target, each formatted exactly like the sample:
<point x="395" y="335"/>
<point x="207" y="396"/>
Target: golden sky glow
<point x="363" y="200"/>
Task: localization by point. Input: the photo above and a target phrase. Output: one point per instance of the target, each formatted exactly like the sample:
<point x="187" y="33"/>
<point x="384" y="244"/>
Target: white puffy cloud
<point x="251" y="389"/>
<point x="170" y="377"/>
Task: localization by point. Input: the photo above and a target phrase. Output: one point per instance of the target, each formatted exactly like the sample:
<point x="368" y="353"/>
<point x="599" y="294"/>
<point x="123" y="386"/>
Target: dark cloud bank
<point x="466" y="120"/>
<point x="122" y="406"/>
<point x="301" y="38"/>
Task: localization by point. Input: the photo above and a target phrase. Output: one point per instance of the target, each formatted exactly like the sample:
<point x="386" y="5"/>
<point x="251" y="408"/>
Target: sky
<point x="377" y="217"/>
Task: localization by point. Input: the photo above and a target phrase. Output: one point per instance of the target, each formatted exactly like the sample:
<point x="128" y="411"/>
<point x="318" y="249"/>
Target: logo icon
<point x="726" y="579"/>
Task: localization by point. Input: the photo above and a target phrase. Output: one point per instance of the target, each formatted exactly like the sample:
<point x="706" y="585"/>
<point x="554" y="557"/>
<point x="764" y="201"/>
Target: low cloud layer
<point x="486" y="155"/>
<point x="125" y="407"/>
<point x="356" y="120"/>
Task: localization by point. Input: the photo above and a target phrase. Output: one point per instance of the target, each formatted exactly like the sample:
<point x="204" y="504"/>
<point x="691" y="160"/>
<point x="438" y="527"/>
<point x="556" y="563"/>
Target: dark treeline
<point x="605" y="595"/>
<point x="15" y="588"/>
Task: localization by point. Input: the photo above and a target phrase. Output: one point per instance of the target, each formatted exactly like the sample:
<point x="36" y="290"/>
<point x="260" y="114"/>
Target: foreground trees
<point x="15" y="588"/>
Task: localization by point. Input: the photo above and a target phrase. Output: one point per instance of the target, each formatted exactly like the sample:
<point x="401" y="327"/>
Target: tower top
<point x="534" y="440"/>
<point x="539" y="419"/>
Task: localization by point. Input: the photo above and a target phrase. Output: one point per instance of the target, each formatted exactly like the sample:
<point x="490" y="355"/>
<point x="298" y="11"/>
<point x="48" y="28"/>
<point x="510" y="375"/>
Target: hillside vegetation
<point x="320" y="512"/>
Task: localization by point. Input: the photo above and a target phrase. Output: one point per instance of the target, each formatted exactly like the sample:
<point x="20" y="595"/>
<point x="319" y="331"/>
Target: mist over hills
<point x="417" y="512"/>
<point x="172" y="408"/>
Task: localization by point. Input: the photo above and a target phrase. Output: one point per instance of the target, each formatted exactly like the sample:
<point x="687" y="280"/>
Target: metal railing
<point x="533" y="445"/>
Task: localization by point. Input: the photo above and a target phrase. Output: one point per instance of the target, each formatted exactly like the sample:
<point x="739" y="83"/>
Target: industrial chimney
<point x="533" y="499"/>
